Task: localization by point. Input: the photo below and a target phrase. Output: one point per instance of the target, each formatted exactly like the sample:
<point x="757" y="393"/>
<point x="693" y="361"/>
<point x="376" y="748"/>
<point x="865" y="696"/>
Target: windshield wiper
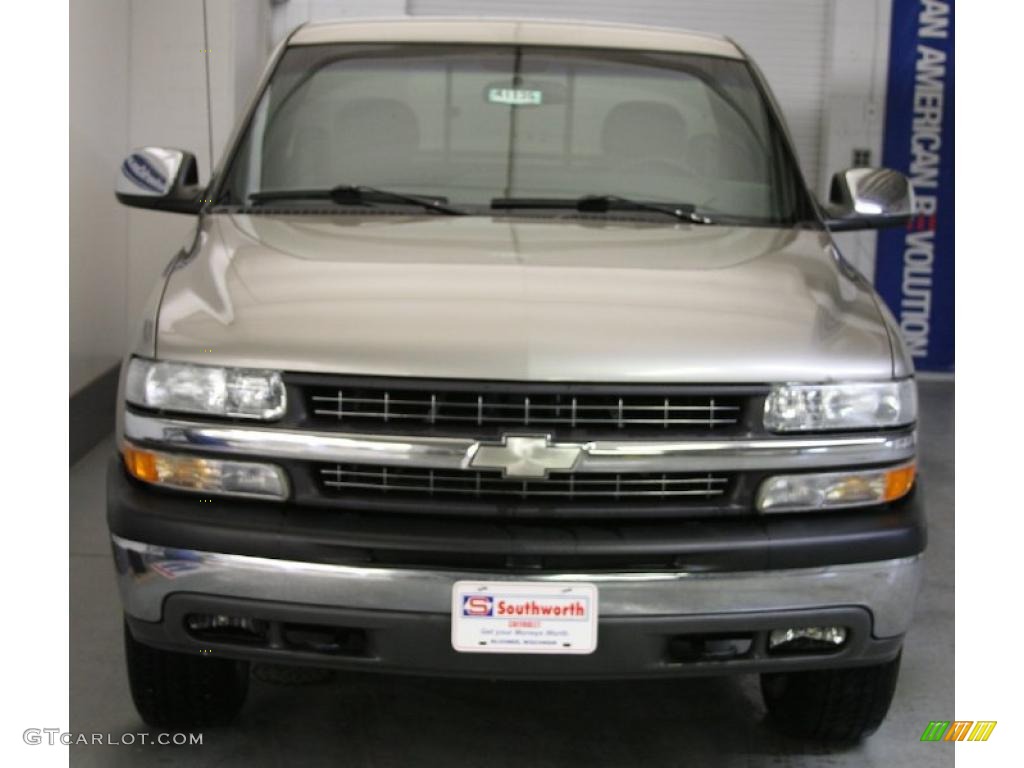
<point x="347" y="194"/>
<point x="603" y="204"/>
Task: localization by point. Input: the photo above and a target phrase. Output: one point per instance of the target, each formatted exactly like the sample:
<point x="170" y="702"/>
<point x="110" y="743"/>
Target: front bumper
<point x="401" y="616"/>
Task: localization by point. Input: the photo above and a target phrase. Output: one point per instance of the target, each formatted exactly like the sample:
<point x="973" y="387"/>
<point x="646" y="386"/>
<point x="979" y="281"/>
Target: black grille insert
<point x="448" y="407"/>
<point x="675" y="486"/>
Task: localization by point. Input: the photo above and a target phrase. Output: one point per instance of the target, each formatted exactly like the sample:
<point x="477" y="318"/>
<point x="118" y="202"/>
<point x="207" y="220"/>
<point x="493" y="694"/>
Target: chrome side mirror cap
<point x="160" y="179"/>
<point x="869" y="198"/>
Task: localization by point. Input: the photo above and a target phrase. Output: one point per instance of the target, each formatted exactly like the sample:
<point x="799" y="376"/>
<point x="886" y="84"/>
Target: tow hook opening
<point x="687" y="649"/>
<point x="278" y="635"/>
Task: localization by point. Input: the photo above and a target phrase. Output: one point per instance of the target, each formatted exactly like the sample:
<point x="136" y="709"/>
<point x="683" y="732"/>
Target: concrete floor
<point x="366" y="720"/>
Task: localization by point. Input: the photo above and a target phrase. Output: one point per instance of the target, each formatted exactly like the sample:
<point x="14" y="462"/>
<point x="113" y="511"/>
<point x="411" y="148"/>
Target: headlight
<point x="790" y="493"/>
<point x="823" y="407"/>
<point x="195" y="473"/>
<point x="246" y="393"/>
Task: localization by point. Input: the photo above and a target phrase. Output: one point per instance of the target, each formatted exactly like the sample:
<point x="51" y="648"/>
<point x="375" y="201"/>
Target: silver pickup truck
<point x="515" y="349"/>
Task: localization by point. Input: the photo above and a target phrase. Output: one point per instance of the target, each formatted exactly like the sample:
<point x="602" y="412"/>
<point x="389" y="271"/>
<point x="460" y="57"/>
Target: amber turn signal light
<point x="141" y="464"/>
<point x="898" y="482"/>
<point x="835" y="490"/>
<point x="201" y="474"/>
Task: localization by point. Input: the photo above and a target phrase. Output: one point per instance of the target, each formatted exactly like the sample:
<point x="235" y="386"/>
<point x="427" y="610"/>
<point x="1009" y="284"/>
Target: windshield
<point x="472" y="125"/>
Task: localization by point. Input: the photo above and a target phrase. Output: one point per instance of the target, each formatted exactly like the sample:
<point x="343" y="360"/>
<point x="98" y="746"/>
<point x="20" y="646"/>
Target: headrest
<point x="382" y="124"/>
<point x="636" y="129"/>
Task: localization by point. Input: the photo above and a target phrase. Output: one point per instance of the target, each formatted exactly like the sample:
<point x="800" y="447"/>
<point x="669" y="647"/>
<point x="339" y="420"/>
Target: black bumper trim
<point x="420" y="643"/>
<point x="290" y="532"/>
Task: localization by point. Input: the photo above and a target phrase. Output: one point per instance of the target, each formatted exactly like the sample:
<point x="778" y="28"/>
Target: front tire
<point x="179" y="690"/>
<point x="831" y="705"/>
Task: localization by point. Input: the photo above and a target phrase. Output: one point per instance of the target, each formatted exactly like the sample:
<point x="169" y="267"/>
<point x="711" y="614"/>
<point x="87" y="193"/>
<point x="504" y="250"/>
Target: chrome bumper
<point x="148" y="574"/>
<point x="697" y="455"/>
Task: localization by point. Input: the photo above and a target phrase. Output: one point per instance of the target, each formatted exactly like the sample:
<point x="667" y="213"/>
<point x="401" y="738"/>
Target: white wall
<point x="99" y="31"/>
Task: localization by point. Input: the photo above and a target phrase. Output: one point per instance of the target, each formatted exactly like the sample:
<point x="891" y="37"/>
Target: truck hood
<point x="521" y="299"/>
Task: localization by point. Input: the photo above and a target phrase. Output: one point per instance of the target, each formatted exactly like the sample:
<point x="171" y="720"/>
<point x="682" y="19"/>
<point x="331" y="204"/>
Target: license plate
<point x="524" y="617"/>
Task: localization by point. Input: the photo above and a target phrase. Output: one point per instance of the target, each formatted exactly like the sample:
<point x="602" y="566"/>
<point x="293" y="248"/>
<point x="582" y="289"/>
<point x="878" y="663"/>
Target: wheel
<point x="183" y="690"/>
<point x="834" y="705"/>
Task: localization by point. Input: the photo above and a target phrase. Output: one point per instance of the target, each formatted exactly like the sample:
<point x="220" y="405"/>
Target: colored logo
<point x="477" y="605"/>
<point x="958" y="730"/>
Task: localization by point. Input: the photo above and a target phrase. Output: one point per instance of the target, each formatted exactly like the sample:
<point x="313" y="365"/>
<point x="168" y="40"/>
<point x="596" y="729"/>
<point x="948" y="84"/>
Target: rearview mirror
<point x="160" y="179"/>
<point x="869" y="198"/>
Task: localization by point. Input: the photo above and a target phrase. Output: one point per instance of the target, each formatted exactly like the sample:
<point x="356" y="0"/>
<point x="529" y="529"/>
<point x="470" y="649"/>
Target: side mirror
<point x="160" y="179"/>
<point x="869" y="198"/>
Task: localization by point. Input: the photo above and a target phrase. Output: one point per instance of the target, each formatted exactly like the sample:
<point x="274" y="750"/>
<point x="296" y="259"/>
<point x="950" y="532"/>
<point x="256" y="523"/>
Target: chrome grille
<point x="494" y="409"/>
<point x="340" y="478"/>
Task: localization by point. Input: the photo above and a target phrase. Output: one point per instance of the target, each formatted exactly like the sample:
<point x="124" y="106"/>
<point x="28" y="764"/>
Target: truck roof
<point x="518" y="31"/>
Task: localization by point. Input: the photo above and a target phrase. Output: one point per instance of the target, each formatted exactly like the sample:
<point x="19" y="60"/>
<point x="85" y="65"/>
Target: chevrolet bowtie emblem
<point x="525" y="456"/>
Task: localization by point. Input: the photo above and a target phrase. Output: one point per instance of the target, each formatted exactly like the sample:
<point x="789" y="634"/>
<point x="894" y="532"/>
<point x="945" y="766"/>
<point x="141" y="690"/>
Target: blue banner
<point x="914" y="268"/>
